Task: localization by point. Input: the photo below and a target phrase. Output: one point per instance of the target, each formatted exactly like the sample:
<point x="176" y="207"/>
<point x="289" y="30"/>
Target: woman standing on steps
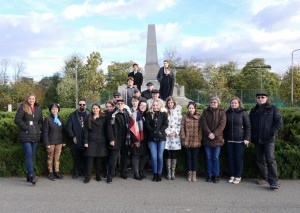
<point x="29" y="119"/>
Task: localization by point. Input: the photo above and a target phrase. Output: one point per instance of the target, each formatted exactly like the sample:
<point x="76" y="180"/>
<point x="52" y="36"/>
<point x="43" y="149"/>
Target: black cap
<point x="120" y="100"/>
<point x="149" y="84"/>
<point x="261" y="94"/>
<point x="116" y="94"/>
<point x="136" y="90"/>
<point x="154" y="91"/>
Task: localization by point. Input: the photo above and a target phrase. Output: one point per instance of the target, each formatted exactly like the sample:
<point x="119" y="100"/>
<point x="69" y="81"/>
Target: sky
<point x="43" y="34"/>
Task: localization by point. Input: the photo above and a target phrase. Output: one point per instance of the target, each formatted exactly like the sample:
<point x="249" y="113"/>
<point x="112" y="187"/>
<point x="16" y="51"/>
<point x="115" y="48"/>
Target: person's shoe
<point x="261" y="182"/>
<point x="154" y="177"/>
<point x="51" y="176"/>
<point x="58" y="175"/>
<point x="194" y="176"/>
<point x="173" y="167"/>
<point x="98" y="178"/>
<point x="33" y="179"/>
<point x="168" y="164"/>
<point x="231" y="179"/>
<point x="75" y="175"/>
<point x="87" y="179"/>
<point x="237" y="180"/>
<point x="142" y="174"/>
<point x="27" y="177"/>
<point x="158" y="178"/>
<point x="124" y="176"/>
<point x="189" y="176"/>
<point x="109" y="179"/>
<point x="274" y="186"/>
<point x="137" y="176"/>
<point x="209" y="179"/>
<point x="215" y="179"/>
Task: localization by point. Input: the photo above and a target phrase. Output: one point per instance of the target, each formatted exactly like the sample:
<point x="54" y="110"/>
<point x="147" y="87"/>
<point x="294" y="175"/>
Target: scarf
<point x="56" y="120"/>
<point x="136" y="126"/>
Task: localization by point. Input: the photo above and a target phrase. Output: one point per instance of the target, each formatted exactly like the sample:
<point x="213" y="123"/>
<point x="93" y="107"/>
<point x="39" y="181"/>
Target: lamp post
<point x="261" y="67"/>
<point x="76" y="81"/>
<point x="292" y="84"/>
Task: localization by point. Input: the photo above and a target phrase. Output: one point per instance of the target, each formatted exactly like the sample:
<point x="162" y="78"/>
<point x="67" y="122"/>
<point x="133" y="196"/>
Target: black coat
<point x="166" y="86"/>
<point x="156" y="126"/>
<point x="97" y="137"/>
<point x="238" y="127"/>
<point x="138" y="79"/>
<point x="161" y="72"/>
<point x="146" y="94"/>
<point x="75" y="129"/>
<point x="119" y="122"/>
<point x="29" y="132"/>
<point x="265" y="122"/>
<point x="52" y="133"/>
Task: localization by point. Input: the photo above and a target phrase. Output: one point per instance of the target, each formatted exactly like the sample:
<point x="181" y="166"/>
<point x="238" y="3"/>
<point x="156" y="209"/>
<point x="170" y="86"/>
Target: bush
<point x="287" y="149"/>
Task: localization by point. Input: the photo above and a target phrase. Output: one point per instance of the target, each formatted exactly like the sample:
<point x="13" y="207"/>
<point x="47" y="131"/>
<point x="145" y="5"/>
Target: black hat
<point x="120" y="100"/>
<point x="136" y="90"/>
<point x="149" y="83"/>
<point x="154" y="91"/>
<point x="116" y="94"/>
<point x="261" y="94"/>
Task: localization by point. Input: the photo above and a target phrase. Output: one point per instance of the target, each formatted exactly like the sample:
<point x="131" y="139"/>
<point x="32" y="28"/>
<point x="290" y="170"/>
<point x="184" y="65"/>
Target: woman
<point x="95" y="141"/>
<point x="213" y="122"/>
<point x="156" y="124"/>
<point x="173" y="142"/>
<point x="166" y="84"/>
<point x="138" y="140"/>
<point x="29" y="119"/>
<point x="191" y="136"/>
<point x="237" y="135"/>
<point x="53" y="138"/>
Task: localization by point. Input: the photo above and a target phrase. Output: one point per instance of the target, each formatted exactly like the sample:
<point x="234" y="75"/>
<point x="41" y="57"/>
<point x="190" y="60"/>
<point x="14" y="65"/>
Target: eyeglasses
<point x="81" y="104"/>
<point x="260" y="97"/>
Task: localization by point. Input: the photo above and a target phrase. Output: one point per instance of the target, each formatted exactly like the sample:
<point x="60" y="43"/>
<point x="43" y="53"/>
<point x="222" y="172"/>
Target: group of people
<point x="143" y="124"/>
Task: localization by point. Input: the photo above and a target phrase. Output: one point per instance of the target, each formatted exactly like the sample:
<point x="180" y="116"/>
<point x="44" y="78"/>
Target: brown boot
<point x="189" y="176"/>
<point x="194" y="176"/>
<point x="168" y="164"/>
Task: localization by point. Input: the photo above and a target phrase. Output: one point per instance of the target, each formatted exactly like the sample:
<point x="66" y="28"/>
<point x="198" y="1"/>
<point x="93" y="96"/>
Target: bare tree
<point x="4" y="64"/>
<point x="19" y="69"/>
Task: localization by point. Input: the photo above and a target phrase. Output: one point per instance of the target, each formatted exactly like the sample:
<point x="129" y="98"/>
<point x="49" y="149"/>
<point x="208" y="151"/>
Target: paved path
<point x="132" y="196"/>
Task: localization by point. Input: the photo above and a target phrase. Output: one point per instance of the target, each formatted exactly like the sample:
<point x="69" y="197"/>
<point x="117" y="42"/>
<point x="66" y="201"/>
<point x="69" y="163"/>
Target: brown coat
<point x="213" y="121"/>
<point x="191" y="134"/>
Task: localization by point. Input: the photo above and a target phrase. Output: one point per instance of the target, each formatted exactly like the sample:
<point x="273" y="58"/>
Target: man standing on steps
<point x="75" y="129"/>
<point x="161" y="71"/>
<point x="137" y="76"/>
<point x="265" y="122"/>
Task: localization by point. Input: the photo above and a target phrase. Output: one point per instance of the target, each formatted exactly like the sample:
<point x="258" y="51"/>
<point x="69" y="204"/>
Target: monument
<point x="151" y="67"/>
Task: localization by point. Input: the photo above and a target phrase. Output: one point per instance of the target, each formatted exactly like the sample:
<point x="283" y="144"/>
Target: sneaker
<point x="274" y="186"/>
<point x="261" y="182"/>
<point x="237" y="180"/>
<point x="58" y="175"/>
<point x="231" y="179"/>
<point x="51" y="176"/>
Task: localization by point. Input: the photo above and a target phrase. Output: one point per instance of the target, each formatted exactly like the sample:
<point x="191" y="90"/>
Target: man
<point x="147" y="93"/>
<point x="116" y="97"/>
<point x="161" y="71"/>
<point x="137" y="94"/>
<point x="138" y="77"/>
<point x="75" y="129"/>
<point x="128" y="93"/>
<point x="119" y="121"/>
<point x="265" y="122"/>
<point x="155" y="96"/>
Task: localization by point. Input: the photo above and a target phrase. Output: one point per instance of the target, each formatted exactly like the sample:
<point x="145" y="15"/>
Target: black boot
<point x="154" y="177"/>
<point x="215" y="179"/>
<point x="27" y="177"/>
<point x="142" y="174"/>
<point x="158" y="177"/>
<point x="137" y="176"/>
<point x="209" y="178"/>
<point x="109" y="179"/>
<point x="98" y="177"/>
<point x="87" y="179"/>
<point x="51" y="176"/>
<point x="58" y="175"/>
<point x="33" y="178"/>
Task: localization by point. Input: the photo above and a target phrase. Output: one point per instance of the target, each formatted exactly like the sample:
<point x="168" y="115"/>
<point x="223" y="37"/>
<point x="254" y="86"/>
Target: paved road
<point x="132" y="196"/>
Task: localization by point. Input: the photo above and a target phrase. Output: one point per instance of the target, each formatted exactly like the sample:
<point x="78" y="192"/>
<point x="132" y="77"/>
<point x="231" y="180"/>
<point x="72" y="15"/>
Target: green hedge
<point x="287" y="150"/>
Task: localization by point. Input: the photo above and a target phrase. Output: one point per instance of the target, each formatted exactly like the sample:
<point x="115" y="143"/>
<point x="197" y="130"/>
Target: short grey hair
<point x="215" y="99"/>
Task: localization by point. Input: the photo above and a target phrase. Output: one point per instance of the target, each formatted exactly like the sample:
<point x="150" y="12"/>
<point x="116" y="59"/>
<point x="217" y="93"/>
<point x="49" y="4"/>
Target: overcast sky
<point x="44" y="33"/>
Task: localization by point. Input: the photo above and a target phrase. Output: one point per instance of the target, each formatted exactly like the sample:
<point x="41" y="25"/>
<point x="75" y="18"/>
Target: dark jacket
<point x="146" y="94"/>
<point x="29" y="132"/>
<point x="138" y="79"/>
<point x="265" y="122"/>
<point x="238" y="126"/>
<point x="75" y="128"/>
<point x="213" y="121"/>
<point x="161" y="72"/>
<point x="97" y="137"/>
<point x="119" y="122"/>
<point x="156" y="123"/>
<point x="191" y="133"/>
<point x="166" y="86"/>
<point x="52" y="133"/>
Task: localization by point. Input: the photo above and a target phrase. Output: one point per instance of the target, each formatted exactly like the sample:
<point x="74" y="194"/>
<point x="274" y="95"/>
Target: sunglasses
<point x="81" y="104"/>
<point x="260" y="97"/>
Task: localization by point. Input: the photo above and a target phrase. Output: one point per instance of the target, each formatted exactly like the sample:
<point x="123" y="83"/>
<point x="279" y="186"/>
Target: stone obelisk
<point x="151" y="66"/>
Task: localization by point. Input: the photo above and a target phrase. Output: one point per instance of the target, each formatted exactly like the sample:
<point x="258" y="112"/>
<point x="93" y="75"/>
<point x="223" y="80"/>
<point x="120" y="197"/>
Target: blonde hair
<point x="26" y="105"/>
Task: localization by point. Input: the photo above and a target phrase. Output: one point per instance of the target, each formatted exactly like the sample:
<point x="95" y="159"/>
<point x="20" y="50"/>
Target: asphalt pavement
<point x="68" y="195"/>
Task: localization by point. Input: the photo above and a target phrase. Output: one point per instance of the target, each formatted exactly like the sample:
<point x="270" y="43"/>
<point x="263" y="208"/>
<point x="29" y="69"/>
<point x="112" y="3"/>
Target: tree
<point x="49" y="88"/>
<point x="4" y="64"/>
<point x="5" y="96"/>
<point x="19" y="69"/>
<point x="190" y="77"/>
<point x="285" y="86"/>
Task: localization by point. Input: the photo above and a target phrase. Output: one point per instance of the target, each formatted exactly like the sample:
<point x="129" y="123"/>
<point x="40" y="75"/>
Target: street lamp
<point x="292" y="85"/>
<point x="261" y="67"/>
<point x="76" y="81"/>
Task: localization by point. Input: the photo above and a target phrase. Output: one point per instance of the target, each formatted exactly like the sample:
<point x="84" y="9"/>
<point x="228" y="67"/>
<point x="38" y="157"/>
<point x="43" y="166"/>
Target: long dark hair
<point x="193" y="103"/>
<point x="92" y="114"/>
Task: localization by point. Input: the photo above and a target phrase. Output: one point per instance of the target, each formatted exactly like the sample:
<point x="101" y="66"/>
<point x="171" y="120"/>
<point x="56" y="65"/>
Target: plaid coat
<point x="191" y="134"/>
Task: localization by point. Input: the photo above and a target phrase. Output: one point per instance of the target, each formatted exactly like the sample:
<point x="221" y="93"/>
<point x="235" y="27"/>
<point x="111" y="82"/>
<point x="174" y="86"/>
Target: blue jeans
<point x="191" y="158"/>
<point x="235" y="152"/>
<point x="29" y="148"/>
<point x="212" y="160"/>
<point x="157" y="151"/>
